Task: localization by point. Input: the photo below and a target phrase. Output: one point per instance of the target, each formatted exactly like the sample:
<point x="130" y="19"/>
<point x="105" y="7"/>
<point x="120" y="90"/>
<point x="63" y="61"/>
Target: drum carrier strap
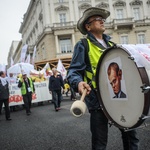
<point x="86" y="46"/>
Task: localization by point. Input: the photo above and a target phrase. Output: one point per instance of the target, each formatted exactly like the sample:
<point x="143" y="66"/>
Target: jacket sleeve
<point x="62" y="82"/>
<point x="77" y="66"/>
<point x="49" y="84"/>
<point x="19" y="84"/>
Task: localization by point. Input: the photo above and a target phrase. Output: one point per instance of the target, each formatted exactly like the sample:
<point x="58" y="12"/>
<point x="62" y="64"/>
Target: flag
<point x="28" y="59"/>
<point x="11" y="62"/>
<point x="23" y="53"/>
<point x="3" y="67"/>
<point x="33" y="57"/>
<point x="61" y="69"/>
<point x="46" y="68"/>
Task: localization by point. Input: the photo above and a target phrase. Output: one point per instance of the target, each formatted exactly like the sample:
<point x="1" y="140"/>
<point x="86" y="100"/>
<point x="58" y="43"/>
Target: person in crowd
<point x="115" y="76"/>
<point x="49" y="74"/>
<point x="4" y="95"/>
<point x="27" y="88"/>
<point x="55" y="86"/>
<point x="73" y="94"/>
<point x="67" y="87"/>
<point x="40" y="78"/>
<point x="82" y="71"/>
<point x="18" y="77"/>
<point x="12" y="80"/>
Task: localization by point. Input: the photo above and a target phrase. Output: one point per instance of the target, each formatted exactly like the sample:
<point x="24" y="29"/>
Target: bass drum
<point x="130" y="107"/>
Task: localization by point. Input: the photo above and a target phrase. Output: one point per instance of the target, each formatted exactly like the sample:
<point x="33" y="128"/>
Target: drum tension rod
<point x="130" y="57"/>
<point x="145" y="88"/>
<point x="110" y="123"/>
<point x="140" y="127"/>
<point x="143" y="117"/>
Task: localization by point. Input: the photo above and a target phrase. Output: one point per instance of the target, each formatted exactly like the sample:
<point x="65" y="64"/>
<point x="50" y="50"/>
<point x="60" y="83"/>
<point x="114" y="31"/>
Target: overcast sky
<point x="11" y="16"/>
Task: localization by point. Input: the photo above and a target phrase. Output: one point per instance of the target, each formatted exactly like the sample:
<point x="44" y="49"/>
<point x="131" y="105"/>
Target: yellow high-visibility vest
<point x="94" y="54"/>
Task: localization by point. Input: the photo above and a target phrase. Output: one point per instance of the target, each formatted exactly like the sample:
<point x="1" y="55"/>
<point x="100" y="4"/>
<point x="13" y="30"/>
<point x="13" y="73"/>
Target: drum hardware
<point x="78" y="108"/>
<point x="125" y="106"/>
<point x="132" y="58"/>
<point x="143" y="117"/>
<point x="145" y="88"/>
<point x="110" y="123"/>
<point x="101" y="107"/>
<point x="140" y="127"/>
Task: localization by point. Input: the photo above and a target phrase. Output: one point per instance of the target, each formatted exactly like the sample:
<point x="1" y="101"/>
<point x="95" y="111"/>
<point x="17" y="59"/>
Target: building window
<point x="65" y="46"/>
<point x="60" y="1"/>
<point x="124" y="39"/>
<point x="141" y="38"/>
<point x="62" y="17"/>
<point x="43" y="52"/>
<point x="136" y="13"/>
<point x="119" y="14"/>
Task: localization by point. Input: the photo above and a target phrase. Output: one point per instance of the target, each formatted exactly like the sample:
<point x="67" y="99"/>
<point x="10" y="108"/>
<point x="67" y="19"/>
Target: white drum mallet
<point x="78" y="108"/>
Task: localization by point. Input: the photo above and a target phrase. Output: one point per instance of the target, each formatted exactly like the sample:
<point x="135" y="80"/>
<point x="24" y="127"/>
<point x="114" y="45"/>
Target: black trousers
<point x="27" y="99"/>
<point x="6" y="104"/>
<point x="57" y="97"/>
<point x="99" y="130"/>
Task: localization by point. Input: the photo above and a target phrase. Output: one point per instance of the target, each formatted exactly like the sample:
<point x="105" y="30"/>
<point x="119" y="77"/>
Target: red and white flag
<point x="61" y="69"/>
<point x="23" y="53"/>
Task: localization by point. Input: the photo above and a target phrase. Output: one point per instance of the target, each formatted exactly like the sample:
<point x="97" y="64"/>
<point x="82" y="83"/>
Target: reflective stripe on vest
<point x="23" y="88"/>
<point x="94" y="54"/>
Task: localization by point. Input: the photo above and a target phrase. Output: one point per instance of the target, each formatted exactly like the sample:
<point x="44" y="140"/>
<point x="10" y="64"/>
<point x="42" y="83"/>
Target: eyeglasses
<point x="97" y="19"/>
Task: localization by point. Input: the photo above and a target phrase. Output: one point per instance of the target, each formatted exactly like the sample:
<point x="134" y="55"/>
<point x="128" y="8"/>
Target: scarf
<point x="3" y="80"/>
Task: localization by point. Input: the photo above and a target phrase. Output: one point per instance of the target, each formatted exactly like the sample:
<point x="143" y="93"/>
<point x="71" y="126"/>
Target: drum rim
<point x="144" y="79"/>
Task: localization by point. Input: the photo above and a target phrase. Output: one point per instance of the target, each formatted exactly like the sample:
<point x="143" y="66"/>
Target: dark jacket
<point x="55" y="83"/>
<point x="122" y="95"/>
<point x="79" y="64"/>
<point x="4" y="91"/>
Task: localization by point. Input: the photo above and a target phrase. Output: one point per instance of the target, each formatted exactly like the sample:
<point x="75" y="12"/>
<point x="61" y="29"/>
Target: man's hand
<point x="83" y="85"/>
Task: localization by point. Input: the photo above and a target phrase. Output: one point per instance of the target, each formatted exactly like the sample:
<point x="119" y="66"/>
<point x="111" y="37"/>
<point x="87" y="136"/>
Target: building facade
<point x="12" y="50"/>
<point x="51" y="25"/>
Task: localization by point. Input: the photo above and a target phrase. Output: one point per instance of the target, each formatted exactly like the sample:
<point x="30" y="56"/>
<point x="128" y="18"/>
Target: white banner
<point x="41" y="93"/>
<point x="23" y="53"/>
<point x="140" y="53"/>
<point x="28" y="59"/>
<point x="11" y="62"/>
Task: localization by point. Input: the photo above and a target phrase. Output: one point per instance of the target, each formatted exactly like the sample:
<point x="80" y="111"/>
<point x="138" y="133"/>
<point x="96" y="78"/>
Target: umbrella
<point x="19" y="68"/>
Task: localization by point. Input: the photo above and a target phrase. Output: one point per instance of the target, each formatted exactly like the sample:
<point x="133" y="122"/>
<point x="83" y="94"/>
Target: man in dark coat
<point x="55" y="85"/>
<point x="4" y="95"/>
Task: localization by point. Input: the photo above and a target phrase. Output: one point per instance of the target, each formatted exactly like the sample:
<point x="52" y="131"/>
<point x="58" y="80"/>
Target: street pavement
<point x="46" y="129"/>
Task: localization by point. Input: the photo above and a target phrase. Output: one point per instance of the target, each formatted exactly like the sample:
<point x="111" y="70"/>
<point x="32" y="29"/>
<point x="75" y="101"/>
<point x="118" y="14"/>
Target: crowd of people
<point x="26" y="84"/>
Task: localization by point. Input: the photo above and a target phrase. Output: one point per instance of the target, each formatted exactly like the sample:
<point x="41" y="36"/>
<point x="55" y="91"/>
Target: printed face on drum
<point x="95" y="25"/>
<point x="115" y="76"/>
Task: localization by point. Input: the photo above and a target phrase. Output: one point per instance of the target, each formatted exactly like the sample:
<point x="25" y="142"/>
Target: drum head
<point x="125" y="109"/>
